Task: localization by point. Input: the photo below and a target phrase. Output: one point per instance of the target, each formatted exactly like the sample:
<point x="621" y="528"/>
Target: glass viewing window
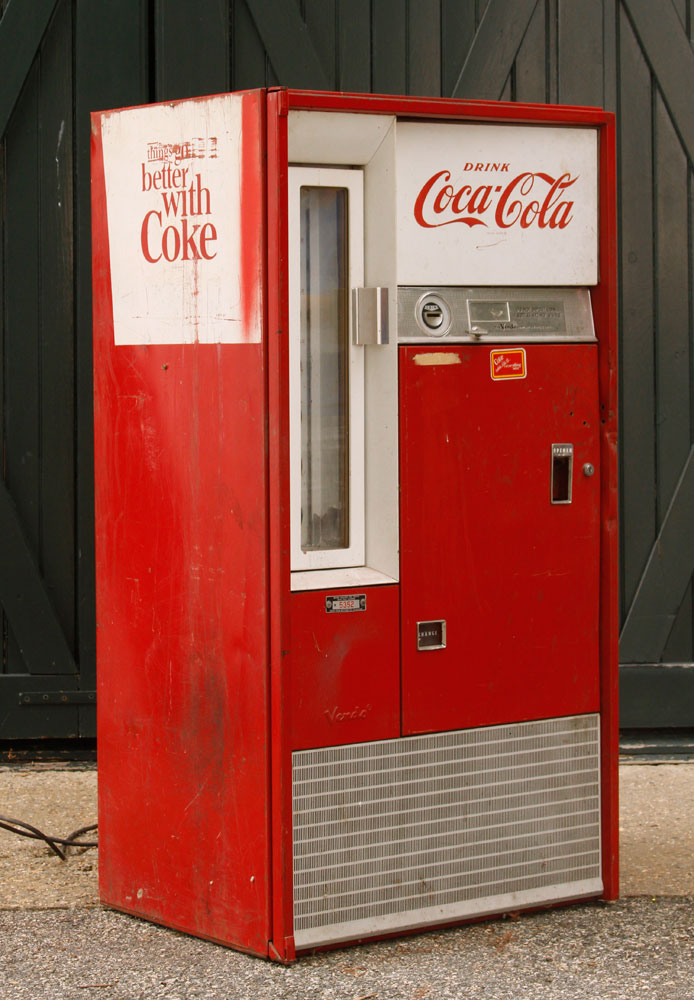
<point x="324" y="338"/>
<point x="326" y="370"/>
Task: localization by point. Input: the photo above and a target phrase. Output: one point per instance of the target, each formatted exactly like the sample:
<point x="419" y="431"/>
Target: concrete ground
<point x="58" y="943"/>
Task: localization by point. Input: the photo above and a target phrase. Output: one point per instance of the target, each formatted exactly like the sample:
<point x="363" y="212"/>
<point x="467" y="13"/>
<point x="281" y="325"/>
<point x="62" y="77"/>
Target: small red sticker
<point x="508" y="364"/>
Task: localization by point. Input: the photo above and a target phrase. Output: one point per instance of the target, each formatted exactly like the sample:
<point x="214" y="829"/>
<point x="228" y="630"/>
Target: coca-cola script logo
<point x="528" y="199"/>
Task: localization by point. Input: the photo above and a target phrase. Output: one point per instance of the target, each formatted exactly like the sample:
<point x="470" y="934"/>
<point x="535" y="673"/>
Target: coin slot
<point x="562" y="473"/>
<point x="433" y="315"/>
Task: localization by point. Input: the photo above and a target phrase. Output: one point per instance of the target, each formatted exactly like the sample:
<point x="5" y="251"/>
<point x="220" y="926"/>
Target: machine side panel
<point x="282" y="940"/>
<point x="604" y="298"/>
<point x="344" y="666"/>
<point x="514" y="576"/>
<point x="181" y="550"/>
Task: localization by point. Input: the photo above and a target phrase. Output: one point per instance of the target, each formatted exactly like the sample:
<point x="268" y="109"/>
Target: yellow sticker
<point x="508" y="364"/>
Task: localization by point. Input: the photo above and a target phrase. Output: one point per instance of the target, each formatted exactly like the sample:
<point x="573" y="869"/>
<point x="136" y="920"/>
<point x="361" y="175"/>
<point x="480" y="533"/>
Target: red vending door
<point x="487" y="548"/>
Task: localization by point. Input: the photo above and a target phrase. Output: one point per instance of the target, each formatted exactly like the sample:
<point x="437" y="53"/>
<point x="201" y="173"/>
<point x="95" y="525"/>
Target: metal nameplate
<point x="345" y="602"/>
<point x="527" y="317"/>
<point x="497" y="315"/>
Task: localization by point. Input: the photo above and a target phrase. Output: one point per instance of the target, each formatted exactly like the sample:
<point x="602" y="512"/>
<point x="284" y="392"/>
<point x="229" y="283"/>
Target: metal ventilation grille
<point x="426" y="829"/>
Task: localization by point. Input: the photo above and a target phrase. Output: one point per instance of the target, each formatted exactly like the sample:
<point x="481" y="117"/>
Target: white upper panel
<point x="488" y="204"/>
<point x="173" y="193"/>
<point x="328" y="138"/>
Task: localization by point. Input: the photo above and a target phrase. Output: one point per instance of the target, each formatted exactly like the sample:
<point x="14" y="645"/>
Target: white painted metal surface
<point x="173" y="190"/>
<point x="482" y="204"/>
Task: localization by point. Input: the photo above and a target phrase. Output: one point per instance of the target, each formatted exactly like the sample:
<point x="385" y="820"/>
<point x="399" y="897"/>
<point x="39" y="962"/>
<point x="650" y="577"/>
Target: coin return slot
<point x="562" y="472"/>
<point x="431" y="635"/>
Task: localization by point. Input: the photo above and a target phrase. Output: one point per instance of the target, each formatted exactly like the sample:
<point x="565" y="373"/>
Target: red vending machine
<point x="356" y="506"/>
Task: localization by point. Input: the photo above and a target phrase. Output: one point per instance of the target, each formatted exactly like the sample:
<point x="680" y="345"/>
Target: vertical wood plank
<point x="638" y="524"/>
<point x="22" y="324"/>
<point x="678" y="648"/>
<point x="112" y="70"/>
<point x="580" y="52"/>
<point x="389" y="46"/>
<point x="673" y="403"/>
<point x="191" y="42"/>
<point x="681" y="8"/>
<point x="23" y="27"/>
<point x="552" y="42"/>
<point x="664" y="582"/>
<point x="458" y="26"/>
<point x="272" y="78"/>
<point x="672" y="313"/>
<point x="531" y="61"/>
<point x="57" y="387"/>
<point x="4" y="666"/>
<point x="354" y="46"/>
<point x="3" y="619"/>
<point x="494" y="49"/>
<point x="289" y="44"/>
<point x="321" y="17"/>
<point x="22" y="445"/>
<point x="424" y="48"/>
<point x="249" y="61"/>
<point x="609" y="49"/>
<point x="671" y="59"/>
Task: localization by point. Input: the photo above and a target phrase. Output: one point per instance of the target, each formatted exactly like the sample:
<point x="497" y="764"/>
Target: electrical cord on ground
<point x="23" y="829"/>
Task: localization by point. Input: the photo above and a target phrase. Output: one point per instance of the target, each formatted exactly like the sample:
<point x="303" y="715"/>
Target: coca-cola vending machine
<point x="355" y="430"/>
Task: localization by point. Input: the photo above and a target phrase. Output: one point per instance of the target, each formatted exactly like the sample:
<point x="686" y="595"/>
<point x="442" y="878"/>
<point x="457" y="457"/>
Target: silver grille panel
<point x="426" y="829"/>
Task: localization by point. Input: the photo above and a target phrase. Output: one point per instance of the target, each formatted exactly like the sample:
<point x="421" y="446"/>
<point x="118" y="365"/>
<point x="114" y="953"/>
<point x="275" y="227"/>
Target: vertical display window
<point x="324" y="362"/>
<point x="326" y="370"/>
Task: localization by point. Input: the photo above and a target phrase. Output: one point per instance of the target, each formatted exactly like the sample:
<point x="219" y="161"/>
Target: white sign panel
<point x="496" y="204"/>
<point x="173" y="193"/>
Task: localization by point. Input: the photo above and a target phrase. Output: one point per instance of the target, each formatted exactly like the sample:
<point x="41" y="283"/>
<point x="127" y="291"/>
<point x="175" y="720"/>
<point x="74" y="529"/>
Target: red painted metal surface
<point x="278" y="456"/>
<point x="514" y="576"/>
<point x="209" y="675"/>
<point x="604" y="300"/>
<point x="442" y="107"/>
<point x="181" y="549"/>
<point x="344" y="669"/>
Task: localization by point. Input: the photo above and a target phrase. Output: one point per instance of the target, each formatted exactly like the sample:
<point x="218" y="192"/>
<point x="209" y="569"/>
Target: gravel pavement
<point x="58" y="943"/>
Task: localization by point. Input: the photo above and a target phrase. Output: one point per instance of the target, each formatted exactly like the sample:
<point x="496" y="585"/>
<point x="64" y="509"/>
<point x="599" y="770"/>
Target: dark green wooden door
<point x="58" y="60"/>
<point x="657" y="149"/>
<point x="38" y="585"/>
<point x="62" y="58"/>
